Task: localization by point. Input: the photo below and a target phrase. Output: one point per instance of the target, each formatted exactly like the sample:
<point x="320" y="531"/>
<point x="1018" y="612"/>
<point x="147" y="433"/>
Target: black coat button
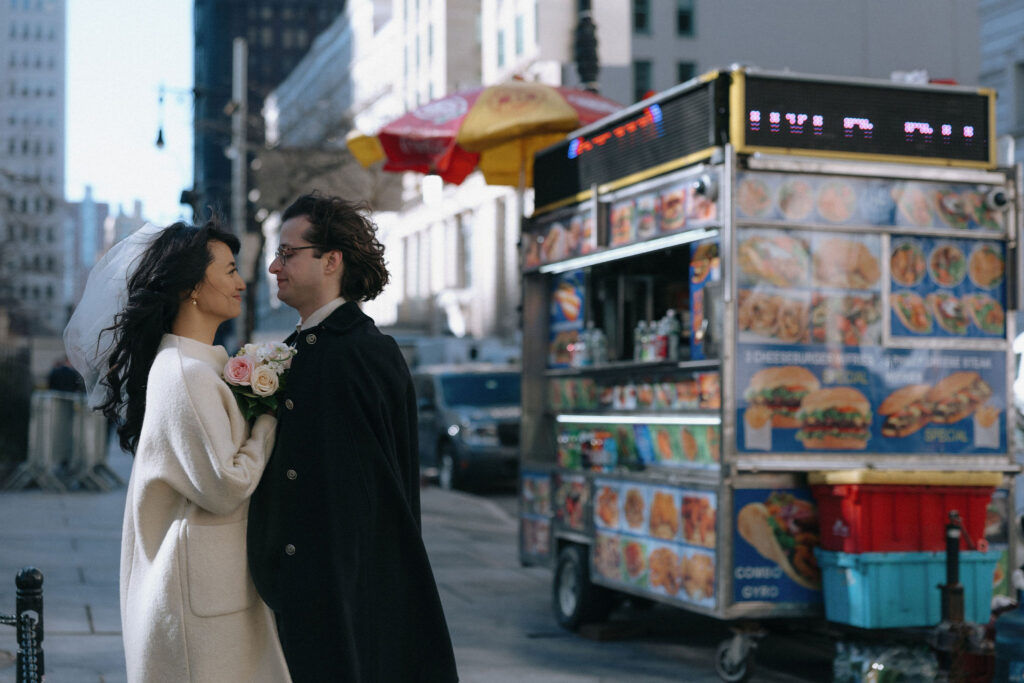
<point x="311" y="339"/>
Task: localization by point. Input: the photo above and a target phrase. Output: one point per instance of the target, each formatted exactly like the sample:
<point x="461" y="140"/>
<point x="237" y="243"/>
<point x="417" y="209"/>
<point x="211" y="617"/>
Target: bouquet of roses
<point x="256" y="374"/>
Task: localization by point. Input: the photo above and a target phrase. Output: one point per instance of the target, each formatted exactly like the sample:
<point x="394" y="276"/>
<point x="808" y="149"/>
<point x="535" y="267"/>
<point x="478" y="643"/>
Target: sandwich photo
<point x="796" y="199"/>
<point x="910" y="308"/>
<point x="837" y="201"/>
<point x="784" y="529"/>
<point x="844" y="263"/>
<point x="957" y="396"/>
<point x="775" y="259"/>
<point x="673" y="208"/>
<point x="780" y="390"/>
<point x="986" y="266"/>
<point x="986" y="313"/>
<point x="907" y="265"/>
<point x="568" y="301"/>
<point x="837" y="418"/>
<point x="906" y="410"/>
<point x="948" y="311"/>
<point x="556" y="243"/>
<point x="947" y="265"/>
<point x="622" y="223"/>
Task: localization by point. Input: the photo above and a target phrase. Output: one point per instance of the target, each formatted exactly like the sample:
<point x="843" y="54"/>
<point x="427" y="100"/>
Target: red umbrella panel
<point x="447" y="136"/>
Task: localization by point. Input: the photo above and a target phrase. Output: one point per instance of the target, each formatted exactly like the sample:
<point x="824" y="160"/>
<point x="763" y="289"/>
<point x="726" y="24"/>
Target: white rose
<point x="264" y="381"/>
<point x="281" y="352"/>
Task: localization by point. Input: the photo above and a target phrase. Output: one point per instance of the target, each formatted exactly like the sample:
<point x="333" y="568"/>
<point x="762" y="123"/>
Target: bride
<point x="189" y="611"/>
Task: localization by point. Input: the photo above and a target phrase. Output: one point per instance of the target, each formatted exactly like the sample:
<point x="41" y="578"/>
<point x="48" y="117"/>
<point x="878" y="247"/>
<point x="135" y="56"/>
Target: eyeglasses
<point x="284" y="253"/>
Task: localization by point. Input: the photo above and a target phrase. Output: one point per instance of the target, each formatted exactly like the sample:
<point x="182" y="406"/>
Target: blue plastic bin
<point x="888" y="590"/>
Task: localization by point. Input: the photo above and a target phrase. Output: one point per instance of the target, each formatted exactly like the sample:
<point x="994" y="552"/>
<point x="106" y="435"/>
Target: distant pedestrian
<point x="189" y="610"/>
<point x="334" y="527"/>
<point x="63" y="377"/>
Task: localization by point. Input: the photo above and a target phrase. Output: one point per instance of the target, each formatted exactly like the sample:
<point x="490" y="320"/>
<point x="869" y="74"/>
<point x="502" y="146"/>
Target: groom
<point x="334" y="527"/>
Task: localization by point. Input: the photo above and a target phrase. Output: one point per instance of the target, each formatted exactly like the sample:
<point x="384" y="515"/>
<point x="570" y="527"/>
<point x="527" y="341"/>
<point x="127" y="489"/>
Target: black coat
<point x="334" y="527"/>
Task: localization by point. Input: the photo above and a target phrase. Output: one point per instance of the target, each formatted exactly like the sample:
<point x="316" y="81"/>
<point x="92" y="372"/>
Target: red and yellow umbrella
<point x="496" y="129"/>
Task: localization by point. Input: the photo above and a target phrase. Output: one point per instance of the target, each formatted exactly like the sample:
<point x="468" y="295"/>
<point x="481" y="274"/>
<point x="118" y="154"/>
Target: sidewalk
<point x="498" y="612"/>
<point x="75" y="540"/>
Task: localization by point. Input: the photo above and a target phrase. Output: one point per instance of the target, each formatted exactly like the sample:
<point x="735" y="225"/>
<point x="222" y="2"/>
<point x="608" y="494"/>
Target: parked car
<point x="468" y="422"/>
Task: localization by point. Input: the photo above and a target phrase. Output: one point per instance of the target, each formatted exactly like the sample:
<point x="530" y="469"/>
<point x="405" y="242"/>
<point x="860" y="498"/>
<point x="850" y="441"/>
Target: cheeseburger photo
<point x="957" y="397"/>
<point x="838" y="418"/>
<point x="906" y="410"/>
<point x="780" y="390"/>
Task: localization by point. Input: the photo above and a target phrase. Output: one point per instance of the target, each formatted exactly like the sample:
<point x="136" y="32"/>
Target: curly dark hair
<point x="339" y="224"/>
<point x="167" y="273"/>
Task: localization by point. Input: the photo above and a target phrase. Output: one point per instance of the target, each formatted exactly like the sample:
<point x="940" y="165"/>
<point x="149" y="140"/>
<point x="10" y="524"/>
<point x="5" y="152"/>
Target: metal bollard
<point x="28" y="620"/>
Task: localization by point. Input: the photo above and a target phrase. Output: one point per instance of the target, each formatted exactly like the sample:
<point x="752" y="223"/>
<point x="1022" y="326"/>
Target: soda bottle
<point x="598" y="346"/>
<point x="639" y="335"/>
<point x="672" y="330"/>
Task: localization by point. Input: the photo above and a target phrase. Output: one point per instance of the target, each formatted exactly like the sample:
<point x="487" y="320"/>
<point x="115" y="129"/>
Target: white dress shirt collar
<point x="320" y="314"/>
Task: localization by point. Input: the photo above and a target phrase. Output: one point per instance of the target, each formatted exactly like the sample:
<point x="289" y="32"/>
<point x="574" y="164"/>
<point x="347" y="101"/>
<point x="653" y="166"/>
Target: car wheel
<point x="447" y="468"/>
<point x="574" y="598"/>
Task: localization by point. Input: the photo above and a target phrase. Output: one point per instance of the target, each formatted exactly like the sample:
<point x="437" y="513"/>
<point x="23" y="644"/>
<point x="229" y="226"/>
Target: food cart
<point x="840" y="255"/>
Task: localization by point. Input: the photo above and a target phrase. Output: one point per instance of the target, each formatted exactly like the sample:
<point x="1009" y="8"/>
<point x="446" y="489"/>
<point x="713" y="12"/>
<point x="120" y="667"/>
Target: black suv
<point x="468" y="422"/>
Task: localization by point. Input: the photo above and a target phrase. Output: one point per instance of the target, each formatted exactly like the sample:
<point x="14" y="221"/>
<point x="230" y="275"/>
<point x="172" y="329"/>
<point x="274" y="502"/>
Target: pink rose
<point x="238" y="371"/>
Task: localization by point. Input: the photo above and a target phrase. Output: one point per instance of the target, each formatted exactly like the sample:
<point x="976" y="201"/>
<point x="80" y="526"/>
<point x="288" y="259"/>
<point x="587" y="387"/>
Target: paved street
<point x="498" y="612"/>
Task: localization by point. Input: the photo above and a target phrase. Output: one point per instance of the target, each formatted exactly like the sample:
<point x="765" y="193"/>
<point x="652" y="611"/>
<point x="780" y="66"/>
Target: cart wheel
<point x="734" y="660"/>
<point x="448" y="468"/>
<point x="574" y="598"/>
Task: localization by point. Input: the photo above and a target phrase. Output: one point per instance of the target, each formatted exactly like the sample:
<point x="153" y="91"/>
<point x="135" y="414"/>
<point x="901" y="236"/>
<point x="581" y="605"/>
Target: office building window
<point x="684" y="17"/>
<point x="685" y="71"/>
<point x="501" y="49"/>
<point x="519" y="35"/>
<point x="641" y="16"/>
<point x="641" y="79"/>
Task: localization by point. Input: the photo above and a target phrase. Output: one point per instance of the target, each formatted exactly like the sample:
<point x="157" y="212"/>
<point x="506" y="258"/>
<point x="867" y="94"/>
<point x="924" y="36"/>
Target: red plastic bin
<point x="866" y="518"/>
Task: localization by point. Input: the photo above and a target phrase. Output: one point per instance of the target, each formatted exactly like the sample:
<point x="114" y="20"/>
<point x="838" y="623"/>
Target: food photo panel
<point x="875" y="400"/>
<point x="844" y="201"/>
<point x="947" y="288"/>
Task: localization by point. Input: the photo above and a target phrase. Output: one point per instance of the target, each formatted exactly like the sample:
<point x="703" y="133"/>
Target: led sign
<point x="647" y="126"/>
<point x="681" y="123"/>
<point x="936" y="123"/>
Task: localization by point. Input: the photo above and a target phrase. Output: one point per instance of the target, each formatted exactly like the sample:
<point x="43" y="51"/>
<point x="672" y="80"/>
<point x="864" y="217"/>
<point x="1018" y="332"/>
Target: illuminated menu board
<point x="772" y="112"/>
<point x="935" y="123"/>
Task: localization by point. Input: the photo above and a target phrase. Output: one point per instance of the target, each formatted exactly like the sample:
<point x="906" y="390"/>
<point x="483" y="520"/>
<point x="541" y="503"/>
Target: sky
<point x="119" y="54"/>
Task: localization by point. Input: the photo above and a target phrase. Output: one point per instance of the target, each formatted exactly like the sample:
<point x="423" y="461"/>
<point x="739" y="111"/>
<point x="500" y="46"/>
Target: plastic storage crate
<point x="861" y="518"/>
<point x="889" y="590"/>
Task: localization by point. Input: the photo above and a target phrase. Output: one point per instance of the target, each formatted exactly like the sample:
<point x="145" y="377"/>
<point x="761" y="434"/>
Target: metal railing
<point x="67" y="446"/>
<point x="28" y="620"/>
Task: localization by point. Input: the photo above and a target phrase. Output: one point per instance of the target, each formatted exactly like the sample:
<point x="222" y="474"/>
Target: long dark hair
<point x="340" y="224"/>
<point x="169" y="270"/>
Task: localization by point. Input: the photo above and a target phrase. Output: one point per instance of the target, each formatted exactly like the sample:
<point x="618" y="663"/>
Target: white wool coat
<point x="189" y="610"/>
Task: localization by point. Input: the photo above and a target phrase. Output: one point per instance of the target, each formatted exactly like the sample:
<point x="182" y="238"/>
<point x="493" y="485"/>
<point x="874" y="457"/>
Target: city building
<point x="119" y="226"/>
<point x="1002" y="67"/>
<point x="319" y="103"/>
<point x="671" y="41"/>
<point x="452" y="250"/>
<point x="84" y="244"/>
<point x="32" y="133"/>
<point x="278" y="33"/>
